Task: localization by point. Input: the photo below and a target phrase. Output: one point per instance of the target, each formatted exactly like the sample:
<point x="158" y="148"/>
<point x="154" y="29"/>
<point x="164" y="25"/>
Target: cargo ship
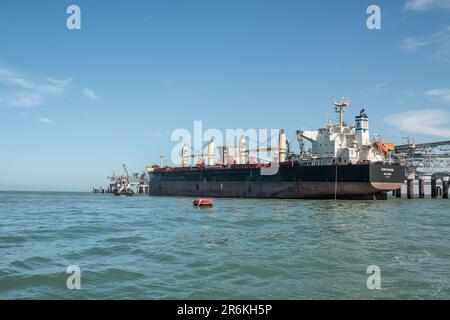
<point x="342" y="163"/>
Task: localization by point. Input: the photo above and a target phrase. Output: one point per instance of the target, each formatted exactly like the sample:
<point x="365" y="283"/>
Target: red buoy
<point x="203" y="202"/>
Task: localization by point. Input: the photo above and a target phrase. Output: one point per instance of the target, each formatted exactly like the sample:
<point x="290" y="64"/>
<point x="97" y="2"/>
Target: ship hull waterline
<point x="357" y="182"/>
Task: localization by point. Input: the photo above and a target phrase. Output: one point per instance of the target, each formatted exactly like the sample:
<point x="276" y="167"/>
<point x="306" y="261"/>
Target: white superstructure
<point x="340" y="143"/>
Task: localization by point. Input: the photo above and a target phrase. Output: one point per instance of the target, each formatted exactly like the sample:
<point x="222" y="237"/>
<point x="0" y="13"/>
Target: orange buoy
<point x="203" y="202"/>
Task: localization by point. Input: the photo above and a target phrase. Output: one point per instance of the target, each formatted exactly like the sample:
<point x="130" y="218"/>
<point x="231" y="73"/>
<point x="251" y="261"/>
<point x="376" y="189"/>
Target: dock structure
<point x="99" y="190"/>
<point x="136" y="182"/>
<point x="410" y="188"/>
<point x="421" y="187"/>
<point x="426" y="162"/>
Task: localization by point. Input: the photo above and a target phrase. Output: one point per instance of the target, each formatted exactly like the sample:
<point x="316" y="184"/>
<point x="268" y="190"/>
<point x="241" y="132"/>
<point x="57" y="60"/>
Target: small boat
<point x="203" y="203"/>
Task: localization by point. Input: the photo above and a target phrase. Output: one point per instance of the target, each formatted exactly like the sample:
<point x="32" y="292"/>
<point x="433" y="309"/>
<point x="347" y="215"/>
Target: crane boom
<point x="125" y="170"/>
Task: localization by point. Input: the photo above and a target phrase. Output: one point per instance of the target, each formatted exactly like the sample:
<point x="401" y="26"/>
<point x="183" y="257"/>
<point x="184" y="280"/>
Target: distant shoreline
<point x="43" y="191"/>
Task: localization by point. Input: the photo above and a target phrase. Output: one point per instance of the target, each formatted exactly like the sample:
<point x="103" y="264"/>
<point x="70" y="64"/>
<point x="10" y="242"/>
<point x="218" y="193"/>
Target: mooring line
<point x="335" y="182"/>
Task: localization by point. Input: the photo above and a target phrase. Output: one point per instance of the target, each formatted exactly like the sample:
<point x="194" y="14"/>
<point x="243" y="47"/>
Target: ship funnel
<point x="282" y="147"/>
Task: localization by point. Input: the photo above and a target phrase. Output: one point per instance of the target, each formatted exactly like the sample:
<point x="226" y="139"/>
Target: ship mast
<point x="339" y="107"/>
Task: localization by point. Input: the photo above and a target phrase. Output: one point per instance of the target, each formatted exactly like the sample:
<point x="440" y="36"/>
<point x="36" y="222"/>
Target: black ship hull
<point x="364" y="181"/>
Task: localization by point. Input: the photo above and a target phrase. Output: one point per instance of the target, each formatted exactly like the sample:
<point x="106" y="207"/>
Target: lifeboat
<point x="203" y="203"/>
<point x="382" y="147"/>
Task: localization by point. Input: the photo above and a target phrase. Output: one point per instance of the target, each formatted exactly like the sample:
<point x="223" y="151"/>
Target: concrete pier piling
<point x="433" y="188"/>
<point x="410" y="188"/>
<point x="421" y="188"/>
<point x="445" y="184"/>
<point x="438" y="190"/>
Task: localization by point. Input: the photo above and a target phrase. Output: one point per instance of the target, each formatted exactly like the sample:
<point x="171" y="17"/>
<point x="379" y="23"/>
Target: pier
<point x="135" y="182"/>
<point x="427" y="168"/>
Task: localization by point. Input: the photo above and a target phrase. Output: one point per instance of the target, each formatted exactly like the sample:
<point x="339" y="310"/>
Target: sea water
<point x="145" y="247"/>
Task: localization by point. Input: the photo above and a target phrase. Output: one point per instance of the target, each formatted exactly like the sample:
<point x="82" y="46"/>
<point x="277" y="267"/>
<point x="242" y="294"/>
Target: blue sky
<point x="76" y="104"/>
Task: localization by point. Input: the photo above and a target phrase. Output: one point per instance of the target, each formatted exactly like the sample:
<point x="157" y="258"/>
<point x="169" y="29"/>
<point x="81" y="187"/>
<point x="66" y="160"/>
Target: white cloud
<point x="24" y="99"/>
<point x="422" y="5"/>
<point x="46" y="87"/>
<point x="26" y="91"/>
<point x="443" y="94"/>
<point x="438" y="42"/>
<point x="63" y="83"/>
<point x="45" y="121"/>
<point x="429" y="122"/>
<point x="90" y="94"/>
<point x="413" y="44"/>
<point x="380" y="86"/>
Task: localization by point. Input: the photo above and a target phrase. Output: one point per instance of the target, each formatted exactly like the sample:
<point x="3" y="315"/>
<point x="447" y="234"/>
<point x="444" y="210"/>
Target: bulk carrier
<point x="342" y="163"/>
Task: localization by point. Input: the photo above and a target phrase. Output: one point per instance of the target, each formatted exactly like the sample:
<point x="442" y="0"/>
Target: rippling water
<point x="163" y="248"/>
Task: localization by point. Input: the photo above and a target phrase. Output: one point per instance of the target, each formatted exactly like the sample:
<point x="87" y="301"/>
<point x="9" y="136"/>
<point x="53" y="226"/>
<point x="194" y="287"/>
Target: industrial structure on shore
<point x="429" y="163"/>
<point x="126" y="183"/>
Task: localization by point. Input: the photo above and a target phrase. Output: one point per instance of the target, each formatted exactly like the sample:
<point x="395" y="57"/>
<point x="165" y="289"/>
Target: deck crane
<point x="202" y="154"/>
<point x="210" y="154"/>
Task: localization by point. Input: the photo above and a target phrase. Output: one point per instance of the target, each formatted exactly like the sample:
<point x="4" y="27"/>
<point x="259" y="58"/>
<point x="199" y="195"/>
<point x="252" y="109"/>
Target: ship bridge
<point x="342" y="143"/>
